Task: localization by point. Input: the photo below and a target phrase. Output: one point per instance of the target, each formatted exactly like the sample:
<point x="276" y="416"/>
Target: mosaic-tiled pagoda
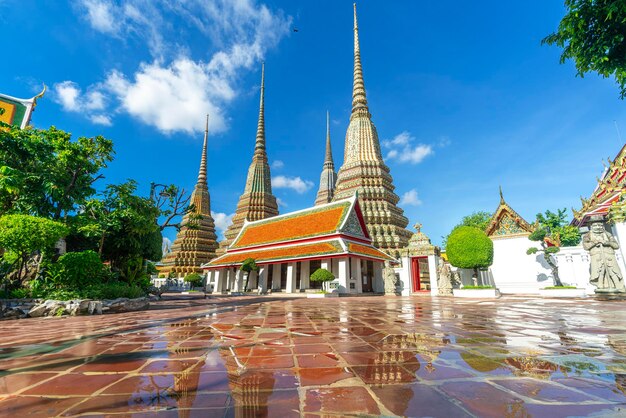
<point x="329" y="176"/>
<point x="195" y="245"/>
<point x="257" y="201"/>
<point x="364" y="170"/>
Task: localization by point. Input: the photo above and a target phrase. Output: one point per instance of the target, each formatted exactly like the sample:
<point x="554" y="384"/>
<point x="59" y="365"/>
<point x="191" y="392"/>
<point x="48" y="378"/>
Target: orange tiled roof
<point x="309" y="223"/>
<point x="367" y="251"/>
<point x="284" y="253"/>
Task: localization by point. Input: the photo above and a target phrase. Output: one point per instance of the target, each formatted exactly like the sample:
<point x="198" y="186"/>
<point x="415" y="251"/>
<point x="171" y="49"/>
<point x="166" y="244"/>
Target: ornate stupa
<point x="329" y="176"/>
<point x="195" y="245"/>
<point x="364" y="170"/>
<point x="257" y="201"/>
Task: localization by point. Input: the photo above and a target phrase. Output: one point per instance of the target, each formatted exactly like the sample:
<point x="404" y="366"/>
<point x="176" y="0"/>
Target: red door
<point x="415" y="274"/>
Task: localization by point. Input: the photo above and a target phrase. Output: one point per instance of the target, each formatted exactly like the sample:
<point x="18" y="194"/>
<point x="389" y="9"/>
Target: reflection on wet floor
<point x="248" y="357"/>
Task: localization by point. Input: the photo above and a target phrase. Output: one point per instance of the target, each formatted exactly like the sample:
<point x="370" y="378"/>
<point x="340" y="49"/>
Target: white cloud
<point x="174" y="90"/>
<point x="410" y="198"/>
<point x="403" y="138"/>
<point x="100" y="14"/>
<point x="278" y="164"/>
<point x="72" y="99"/>
<point x="402" y="149"/>
<point x="295" y="183"/>
<point x="281" y="202"/>
<point x="222" y="221"/>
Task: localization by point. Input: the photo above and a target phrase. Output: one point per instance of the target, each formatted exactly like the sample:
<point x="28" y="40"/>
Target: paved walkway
<point x="258" y="356"/>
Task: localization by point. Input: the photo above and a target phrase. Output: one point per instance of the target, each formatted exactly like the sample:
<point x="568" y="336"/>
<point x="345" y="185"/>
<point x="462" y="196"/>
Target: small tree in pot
<point x="248" y="266"/>
<point x="322" y="275"/>
<point x="469" y="248"/>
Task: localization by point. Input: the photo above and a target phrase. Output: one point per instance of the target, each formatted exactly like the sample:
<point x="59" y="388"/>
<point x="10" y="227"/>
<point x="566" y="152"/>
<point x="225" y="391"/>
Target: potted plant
<point x="248" y="266"/>
<point x="324" y="276"/>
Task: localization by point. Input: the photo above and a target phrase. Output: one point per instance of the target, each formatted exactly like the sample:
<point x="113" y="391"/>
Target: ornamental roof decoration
<point x="419" y="244"/>
<point x="328" y="177"/>
<point x="17" y="112"/>
<point x="195" y="245"/>
<point x="611" y="185"/>
<point x="505" y="222"/>
<point x="333" y="229"/>
<point x="257" y="201"/>
<point x="364" y="170"/>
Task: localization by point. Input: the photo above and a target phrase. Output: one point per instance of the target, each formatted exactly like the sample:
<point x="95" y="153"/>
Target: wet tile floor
<point x="359" y="356"/>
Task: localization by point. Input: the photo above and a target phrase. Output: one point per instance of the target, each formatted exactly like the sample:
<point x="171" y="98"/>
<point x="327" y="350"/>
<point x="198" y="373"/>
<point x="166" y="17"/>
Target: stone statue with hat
<point x="605" y="272"/>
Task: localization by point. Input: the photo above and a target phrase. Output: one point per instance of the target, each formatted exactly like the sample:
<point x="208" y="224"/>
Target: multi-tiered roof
<point x="364" y="170"/>
<point x="257" y="201"/>
<point x="196" y="242"/>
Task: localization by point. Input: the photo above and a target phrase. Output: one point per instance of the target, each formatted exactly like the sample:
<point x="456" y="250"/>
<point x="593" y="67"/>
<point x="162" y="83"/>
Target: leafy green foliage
<point x="322" y="275"/>
<point x="470" y="287"/>
<point x="478" y="220"/>
<point x="532" y="250"/>
<point x="75" y="270"/>
<point x="469" y="247"/>
<point x="46" y="173"/>
<point x="21" y="236"/>
<point x="100" y="291"/>
<point x="194" y="279"/>
<point x="249" y="265"/>
<point x="593" y="34"/>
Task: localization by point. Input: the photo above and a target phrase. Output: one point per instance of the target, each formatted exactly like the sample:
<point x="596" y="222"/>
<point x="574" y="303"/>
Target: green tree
<point x="46" y="173"/>
<point x="322" y="275"/>
<point x="478" y="220"/>
<point x="593" y="34"/>
<point x="552" y="232"/>
<point x="25" y="240"/>
<point x="194" y="279"/>
<point x="125" y="227"/>
<point x="248" y="266"/>
<point x="469" y="247"/>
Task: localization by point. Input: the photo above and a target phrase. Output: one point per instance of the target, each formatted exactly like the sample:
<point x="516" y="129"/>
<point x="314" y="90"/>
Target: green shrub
<point x="80" y="269"/>
<point x="469" y="248"/>
<point x="478" y="287"/>
<point x="194" y="279"/>
<point x="20" y="293"/>
<point x="112" y="290"/>
<point x="322" y="275"/>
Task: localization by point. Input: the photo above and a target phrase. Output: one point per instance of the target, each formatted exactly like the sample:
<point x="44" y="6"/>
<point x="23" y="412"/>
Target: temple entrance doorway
<point x="367" y="275"/>
<point x="420" y="274"/>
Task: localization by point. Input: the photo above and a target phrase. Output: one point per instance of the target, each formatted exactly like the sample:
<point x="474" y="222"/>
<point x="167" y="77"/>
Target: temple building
<point x="257" y="201"/>
<point x="196" y="242"/>
<point x="17" y="112"/>
<point x="328" y="177"/>
<point x="364" y="170"/>
<point x="289" y="247"/>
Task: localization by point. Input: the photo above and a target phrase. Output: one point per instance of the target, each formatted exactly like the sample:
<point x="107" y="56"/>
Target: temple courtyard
<point x="284" y="356"/>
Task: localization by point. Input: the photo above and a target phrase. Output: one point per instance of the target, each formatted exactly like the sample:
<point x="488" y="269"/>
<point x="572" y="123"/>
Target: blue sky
<point x="463" y="95"/>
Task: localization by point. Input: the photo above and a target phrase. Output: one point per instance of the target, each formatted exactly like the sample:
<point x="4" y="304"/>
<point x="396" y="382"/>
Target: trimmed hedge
<point x="469" y="248"/>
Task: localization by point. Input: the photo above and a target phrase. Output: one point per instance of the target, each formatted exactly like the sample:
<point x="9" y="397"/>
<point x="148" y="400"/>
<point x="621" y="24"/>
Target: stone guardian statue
<point x="445" y="279"/>
<point x="605" y="273"/>
<point x="390" y="279"/>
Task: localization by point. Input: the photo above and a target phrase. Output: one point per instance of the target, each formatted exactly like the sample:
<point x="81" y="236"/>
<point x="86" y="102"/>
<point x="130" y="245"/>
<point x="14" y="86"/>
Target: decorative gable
<point x="353" y="225"/>
<point x="506" y="222"/>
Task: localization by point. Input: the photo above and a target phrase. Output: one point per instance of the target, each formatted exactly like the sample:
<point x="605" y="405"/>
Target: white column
<point x="231" y="279"/>
<point x="432" y="269"/>
<point x="291" y="277"/>
<point x="238" y="285"/>
<point x="344" y="271"/>
<point x="305" y="274"/>
<point x="262" y="279"/>
<point x="275" y="277"/>
<point x="252" y="279"/>
<point x="356" y="276"/>
<point x="219" y="281"/>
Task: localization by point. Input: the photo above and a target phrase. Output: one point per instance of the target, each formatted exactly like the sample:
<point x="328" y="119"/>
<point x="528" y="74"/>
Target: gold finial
<point x="502" y="202"/>
<point x="359" y="100"/>
<point x="329" y="153"/>
<point x="418" y="227"/>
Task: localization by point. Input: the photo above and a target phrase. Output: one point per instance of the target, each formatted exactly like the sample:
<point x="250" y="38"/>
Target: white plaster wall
<point x="404" y="273"/>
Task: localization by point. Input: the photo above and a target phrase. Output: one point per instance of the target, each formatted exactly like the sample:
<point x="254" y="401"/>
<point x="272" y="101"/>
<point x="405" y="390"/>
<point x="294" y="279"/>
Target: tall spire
<point x="364" y="172"/>
<point x="202" y="176"/>
<point x="329" y="152"/>
<point x="196" y="242"/>
<point x="257" y="201"/>
<point x="260" y="130"/>
<point x="359" y="101"/>
<point x="329" y="176"/>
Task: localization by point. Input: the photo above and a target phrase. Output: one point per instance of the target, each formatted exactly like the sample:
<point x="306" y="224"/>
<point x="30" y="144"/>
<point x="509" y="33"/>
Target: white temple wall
<point x="403" y="272"/>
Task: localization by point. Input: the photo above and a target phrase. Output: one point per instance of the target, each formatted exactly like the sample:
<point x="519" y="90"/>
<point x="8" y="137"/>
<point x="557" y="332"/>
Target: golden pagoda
<point x="257" y="201"/>
<point x="196" y="242"/>
<point x="365" y="172"/>
<point x="329" y="176"/>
